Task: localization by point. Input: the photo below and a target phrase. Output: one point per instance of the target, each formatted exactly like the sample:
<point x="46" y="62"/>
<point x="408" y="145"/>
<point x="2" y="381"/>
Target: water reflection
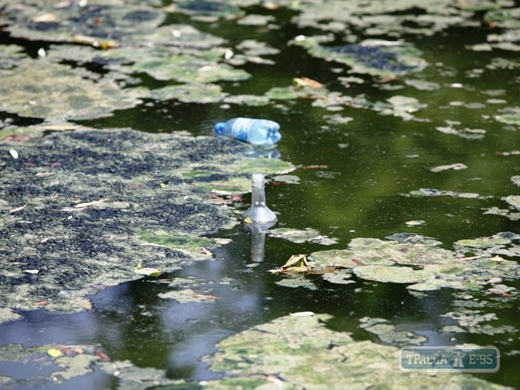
<point x="131" y="322"/>
<point x="257" y="247"/>
<point x="258" y="233"/>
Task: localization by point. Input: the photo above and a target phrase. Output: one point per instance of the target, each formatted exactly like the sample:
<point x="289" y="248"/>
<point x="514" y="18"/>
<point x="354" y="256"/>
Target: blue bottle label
<point x="241" y="128"/>
<point x="256" y="131"/>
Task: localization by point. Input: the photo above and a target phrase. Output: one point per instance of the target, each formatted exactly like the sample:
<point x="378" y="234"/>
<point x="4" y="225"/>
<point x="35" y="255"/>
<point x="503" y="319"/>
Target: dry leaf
<point x="103" y="356"/>
<point x="46" y="18"/>
<point x="306" y="82"/>
<point x="499" y="292"/>
<point x="94" y="203"/>
<point x="148" y="271"/>
<point x="59" y="127"/>
<point x="18" y="208"/>
<point x="315" y="167"/>
<point x="16" y="137"/>
<point x="296" y="264"/>
<point x="54" y="352"/>
<point x="302" y="314"/>
<point x="206" y="252"/>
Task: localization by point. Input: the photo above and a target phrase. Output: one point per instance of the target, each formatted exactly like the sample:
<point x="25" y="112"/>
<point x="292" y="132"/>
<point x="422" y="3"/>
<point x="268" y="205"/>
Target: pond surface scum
<point x="125" y="263"/>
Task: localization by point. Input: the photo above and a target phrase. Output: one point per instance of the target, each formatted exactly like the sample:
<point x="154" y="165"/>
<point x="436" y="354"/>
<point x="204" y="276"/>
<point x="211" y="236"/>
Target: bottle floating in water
<point x="259" y="213"/>
<point x="260" y="132"/>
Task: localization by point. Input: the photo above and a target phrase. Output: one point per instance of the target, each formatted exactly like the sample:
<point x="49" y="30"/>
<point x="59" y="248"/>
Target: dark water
<point x="358" y="191"/>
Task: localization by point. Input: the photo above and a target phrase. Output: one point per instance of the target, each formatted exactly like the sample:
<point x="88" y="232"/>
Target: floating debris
<point x="296" y="264"/>
<point x="435" y="192"/>
<point x="418" y="222"/>
<point x="455" y="167"/>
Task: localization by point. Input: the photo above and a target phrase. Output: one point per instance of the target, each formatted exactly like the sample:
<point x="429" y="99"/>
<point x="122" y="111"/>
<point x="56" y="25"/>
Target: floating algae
<point x="300" y="352"/>
<point x="110" y="199"/>
<point x="388" y="334"/>
<point x="49" y="364"/>
<point x="416" y="261"/>
<point x="375" y="58"/>
<point x="300" y="236"/>
<point x="213" y="8"/>
<point x="122" y="22"/>
<point x="58" y="92"/>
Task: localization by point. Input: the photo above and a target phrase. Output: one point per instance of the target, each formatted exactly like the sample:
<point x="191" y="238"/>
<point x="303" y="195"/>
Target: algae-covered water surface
<point x="124" y="259"/>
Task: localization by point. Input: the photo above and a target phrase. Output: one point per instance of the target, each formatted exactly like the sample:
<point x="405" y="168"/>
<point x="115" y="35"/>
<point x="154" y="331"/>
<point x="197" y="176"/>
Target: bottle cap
<point x="219" y="127"/>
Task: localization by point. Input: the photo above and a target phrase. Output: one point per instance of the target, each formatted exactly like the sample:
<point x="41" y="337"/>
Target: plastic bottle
<point x="261" y="132"/>
<point x="259" y="213"/>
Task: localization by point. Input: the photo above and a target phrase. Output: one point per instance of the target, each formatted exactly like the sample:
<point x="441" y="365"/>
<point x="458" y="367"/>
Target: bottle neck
<point x="258" y="196"/>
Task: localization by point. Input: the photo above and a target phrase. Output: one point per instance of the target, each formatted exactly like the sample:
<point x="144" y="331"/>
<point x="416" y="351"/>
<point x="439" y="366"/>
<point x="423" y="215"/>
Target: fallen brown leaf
<point x="16" y="137"/>
<point x="103" y="356"/>
<point x="315" y="166"/>
<point x="206" y="252"/>
<point x="499" y="292"/>
<point x="96" y="202"/>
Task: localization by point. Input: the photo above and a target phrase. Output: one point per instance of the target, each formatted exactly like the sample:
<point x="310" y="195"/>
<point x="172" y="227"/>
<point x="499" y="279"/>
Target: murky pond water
<point x="416" y="133"/>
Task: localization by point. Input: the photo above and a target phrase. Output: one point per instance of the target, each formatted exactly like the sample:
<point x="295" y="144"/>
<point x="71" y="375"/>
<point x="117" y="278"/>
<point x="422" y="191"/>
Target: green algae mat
<point x="87" y="209"/>
<point x="87" y="203"/>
